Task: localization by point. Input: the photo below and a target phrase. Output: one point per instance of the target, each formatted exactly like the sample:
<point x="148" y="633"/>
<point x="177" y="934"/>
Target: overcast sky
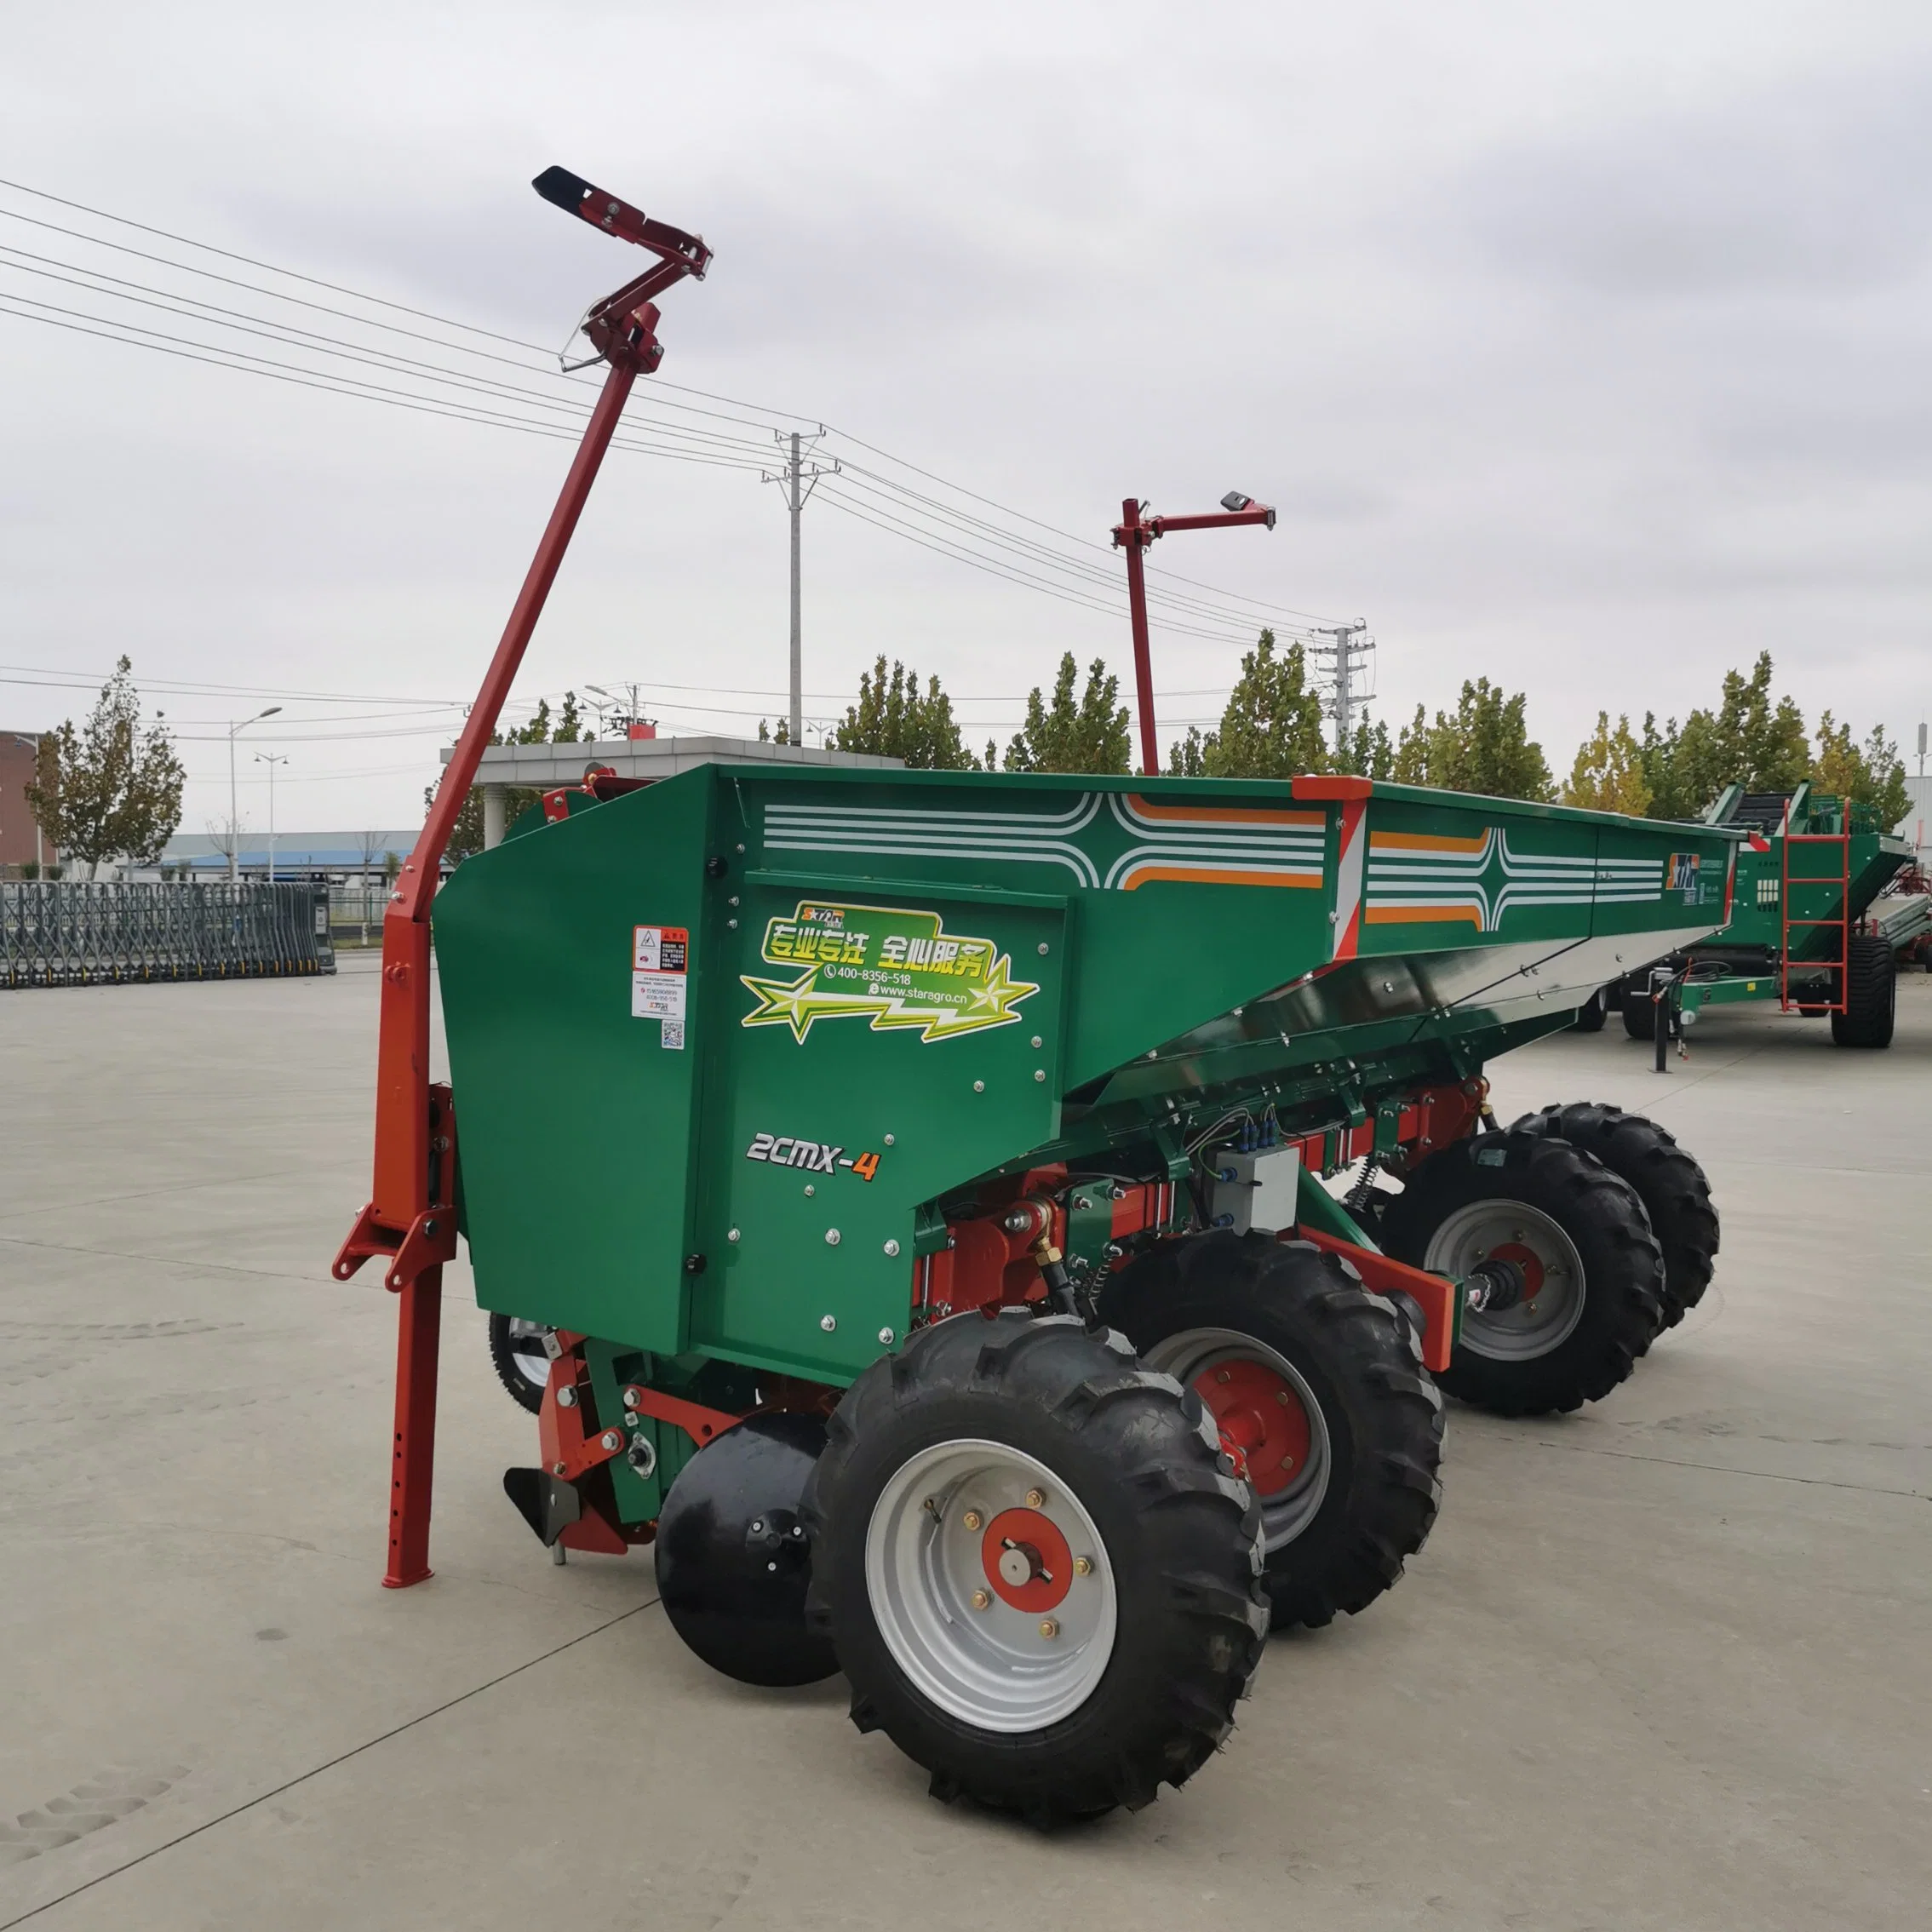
<point x="1582" y="346"/>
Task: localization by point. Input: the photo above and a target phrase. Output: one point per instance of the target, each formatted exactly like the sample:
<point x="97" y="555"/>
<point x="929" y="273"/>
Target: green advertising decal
<point x="888" y="963"/>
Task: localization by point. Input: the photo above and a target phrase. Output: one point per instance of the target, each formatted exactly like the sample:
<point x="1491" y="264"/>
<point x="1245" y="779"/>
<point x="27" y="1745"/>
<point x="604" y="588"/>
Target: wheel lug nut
<point x="1083" y="1566"/>
<point x="1222" y="1375"/>
<point x="1036" y="1499"/>
<point x="972" y="1519"/>
<point x="1281" y="1396"/>
<point x="982" y="1600"/>
<point x="1049" y="1627"/>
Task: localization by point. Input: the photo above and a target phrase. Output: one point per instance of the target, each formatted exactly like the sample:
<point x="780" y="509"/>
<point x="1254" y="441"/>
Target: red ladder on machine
<point x="1841" y="880"/>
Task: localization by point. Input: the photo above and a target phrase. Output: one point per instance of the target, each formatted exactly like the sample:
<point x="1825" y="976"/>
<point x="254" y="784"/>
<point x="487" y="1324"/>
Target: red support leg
<point x="419" y="1327"/>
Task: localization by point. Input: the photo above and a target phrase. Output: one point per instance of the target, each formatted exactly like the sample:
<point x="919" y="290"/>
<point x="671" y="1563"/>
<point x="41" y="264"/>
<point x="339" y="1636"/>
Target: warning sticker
<point x="660" y="948"/>
<point x="657" y="996"/>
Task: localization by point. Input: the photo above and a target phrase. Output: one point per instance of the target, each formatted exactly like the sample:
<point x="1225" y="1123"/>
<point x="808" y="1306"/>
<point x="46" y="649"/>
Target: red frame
<point x="397" y="1224"/>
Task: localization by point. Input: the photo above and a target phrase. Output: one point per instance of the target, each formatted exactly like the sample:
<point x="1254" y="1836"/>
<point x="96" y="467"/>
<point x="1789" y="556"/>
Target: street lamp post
<point x="271" y="760"/>
<point x="234" y="814"/>
<point x="1134" y="533"/>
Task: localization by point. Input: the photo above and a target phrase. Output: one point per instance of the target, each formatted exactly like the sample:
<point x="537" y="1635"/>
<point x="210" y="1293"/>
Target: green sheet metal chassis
<point x="756" y="1068"/>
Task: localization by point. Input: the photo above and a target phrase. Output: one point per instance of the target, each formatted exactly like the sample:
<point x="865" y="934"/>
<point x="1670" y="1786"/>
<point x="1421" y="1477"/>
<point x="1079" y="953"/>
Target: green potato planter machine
<point x="916" y="1183"/>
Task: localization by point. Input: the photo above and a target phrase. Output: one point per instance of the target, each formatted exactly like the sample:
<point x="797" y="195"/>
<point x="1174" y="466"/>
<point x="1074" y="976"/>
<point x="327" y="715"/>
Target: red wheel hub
<point x="1027" y="1560"/>
<point x="1260" y="1411"/>
<point x="1526" y="1259"/>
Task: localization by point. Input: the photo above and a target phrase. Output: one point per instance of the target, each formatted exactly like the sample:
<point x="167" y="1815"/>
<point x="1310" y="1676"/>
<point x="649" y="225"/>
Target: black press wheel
<point x="1039" y="1574"/>
<point x="1591" y="1270"/>
<point x="1872" y="991"/>
<point x="1321" y="1386"/>
<point x="522" y="1362"/>
<point x="1592" y="1014"/>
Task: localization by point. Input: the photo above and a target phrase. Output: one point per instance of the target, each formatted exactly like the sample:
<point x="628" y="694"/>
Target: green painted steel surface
<point x="721" y="1046"/>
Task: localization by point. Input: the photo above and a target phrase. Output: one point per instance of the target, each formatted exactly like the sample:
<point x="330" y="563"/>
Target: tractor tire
<point x="1871" y="993"/>
<point x="1672" y="1187"/>
<point x="1040" y="1572"/>
<point x="516" y="1348"/>
<point x="1592" y="1014"/>
<point x="1321" y="1384"/>
<point x="1593" y="1269"/>
<point x="1639" y="1011"/>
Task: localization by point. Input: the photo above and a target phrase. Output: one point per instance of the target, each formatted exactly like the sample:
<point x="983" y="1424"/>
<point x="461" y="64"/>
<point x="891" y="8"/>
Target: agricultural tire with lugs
<point x="1670" y="1183"/>
<point x="1040" y="1572"/>
<point x="1871" y="992"/>
<point x="1322" y="1385"/>
<point x="1592" y="1270"/>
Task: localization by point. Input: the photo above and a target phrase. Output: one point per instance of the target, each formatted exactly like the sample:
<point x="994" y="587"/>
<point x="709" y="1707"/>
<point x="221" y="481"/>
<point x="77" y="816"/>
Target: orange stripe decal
<point x="1424" y="842"/>
<point x="1220" y="815"/>
<point x="1422" y="915"/>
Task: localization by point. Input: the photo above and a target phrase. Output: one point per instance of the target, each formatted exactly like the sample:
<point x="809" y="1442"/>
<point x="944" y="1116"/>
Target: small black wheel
<point x="1592" y="1014"/>
<point x="1672" y="1187"/>
<point x="1639" y="1010"/>
<point x="522" y="1362"/>
<point x="1872" y="993"/>
<point x="1035" y="1563"/>
<point x="1321" y="1386"/>
<point x="1592" y="1270"/>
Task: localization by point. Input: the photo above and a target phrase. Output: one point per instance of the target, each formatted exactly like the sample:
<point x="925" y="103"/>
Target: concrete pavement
<point x="1661" y="1665"/>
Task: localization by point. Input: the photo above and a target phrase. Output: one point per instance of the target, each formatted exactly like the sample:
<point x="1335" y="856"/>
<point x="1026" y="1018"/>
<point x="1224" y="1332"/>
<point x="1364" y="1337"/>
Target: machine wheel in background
<point x="1872" y="991"/>
<point x="1592" y="1267"/>
<point x="1039" y="1576"/>
<point x="1321" y="1386"/>
<point x="1639" y="1010"/>
<point x="523" y="1364"/>
<point x="1592" y="1014"/>
<point x="1672" y="1187"/>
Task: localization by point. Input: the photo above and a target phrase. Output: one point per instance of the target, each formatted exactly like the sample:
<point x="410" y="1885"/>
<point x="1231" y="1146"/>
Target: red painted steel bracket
<point x="1434" y="1295"/>
<point x="702" y="1425"/>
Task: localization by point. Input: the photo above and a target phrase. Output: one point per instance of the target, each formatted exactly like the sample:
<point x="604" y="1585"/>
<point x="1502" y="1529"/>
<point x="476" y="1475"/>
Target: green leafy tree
<point x="893" y="719"/>
<point x="1369" y="754"/>
<point x="1751" y="739"/>
<point x="1087" y="734"/>
<point x="1872" y="775"/>
<point x="1482" y="746"/>
<point x="567" y="728"/>
<point x="111" y="789"/>
<point x="1272" y="727"/>
<point x="1609" y="774"/>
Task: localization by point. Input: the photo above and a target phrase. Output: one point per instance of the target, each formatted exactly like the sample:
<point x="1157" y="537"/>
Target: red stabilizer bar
<point x="1434" y="1295"/>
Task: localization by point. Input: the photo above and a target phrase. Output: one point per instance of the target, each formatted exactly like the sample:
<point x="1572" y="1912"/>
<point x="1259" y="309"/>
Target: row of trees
<point x="1273" y="727"/>
<point x="111" y="787"/>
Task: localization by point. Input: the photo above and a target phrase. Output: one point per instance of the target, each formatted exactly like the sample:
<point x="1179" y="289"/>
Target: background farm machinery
<point x="913" y="1184"/>
<point x="1808" y="924"/>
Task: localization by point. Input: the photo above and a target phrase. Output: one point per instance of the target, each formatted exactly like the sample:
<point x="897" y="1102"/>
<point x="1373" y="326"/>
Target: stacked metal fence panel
<point x="72" y="933"/>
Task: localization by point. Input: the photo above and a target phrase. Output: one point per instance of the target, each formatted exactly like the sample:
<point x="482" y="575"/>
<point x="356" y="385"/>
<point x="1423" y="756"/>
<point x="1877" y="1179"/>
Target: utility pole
<point x="798" y="482"/>
<point x="271" y="760"/>
<point x="1350" y="651"/>
<point x="234" y="810"/>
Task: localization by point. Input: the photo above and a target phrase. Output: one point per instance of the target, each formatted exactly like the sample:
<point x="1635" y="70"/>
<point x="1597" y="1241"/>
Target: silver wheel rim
<point x="988" y="1663"/>
<point x="528" y="1352"/>
<point x="1197" y="1352"/>
<point x="1539" y="1322"/>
